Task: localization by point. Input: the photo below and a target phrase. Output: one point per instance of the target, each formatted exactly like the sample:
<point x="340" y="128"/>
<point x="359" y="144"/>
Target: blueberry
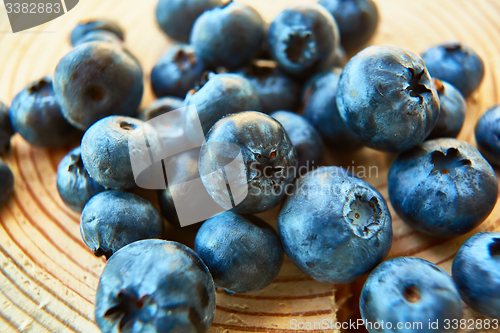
<point x="303" y="38"/>
<point x="185" y="168"/>
<point x="155" y="286"/>
<point x="176" y="17"/>
<point x="320" y="109"/>
<point x="412" y="292"/>
<point x="99" y="36"/>
<point x="112" y="219"/>
<point x="228" y="36"/>
<point x="357" y="20"/>
<point x="487" y="133"/>
<point x="276" y="90"/>
<point x="339" y="58"/>
<point x="96" y="80"/>
<point x="443" y="187"/>
<point x="456" y="64"/>
<point x="103" y="25"/>
<point x="6" y="130"/>
<point x="386" y="97"/>
<point x="159" y="107"/>
<point x="334" y="226"/>
<point x="105" y="151"/>
<point x="267" y="154"/>
<point x="6" y="183"/>
<point x="74" y="183"/>
<point x="220" y="95"/>
<point x="177" y="71"/>
<point x="36" y="115"/>
<point x="304" y="137"/>
<point x="452" y="114"/>
<point x="476" y="271"/>
<point x="243" y="253"/>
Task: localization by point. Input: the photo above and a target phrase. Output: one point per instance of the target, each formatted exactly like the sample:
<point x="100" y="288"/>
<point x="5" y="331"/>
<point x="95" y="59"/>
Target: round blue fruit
<point x="159" y="107"/>
<point x="6" y="183"/>
<point x="243" y="253"/>
<point x="83" y="29"/>
<point x="443" y="187"/>
<point x="487" y="134"/>
<point x="334" y="226"/>
<point x="6" y="130"/>
<point x="155" y="286"/>
<point x="413" y="292"/>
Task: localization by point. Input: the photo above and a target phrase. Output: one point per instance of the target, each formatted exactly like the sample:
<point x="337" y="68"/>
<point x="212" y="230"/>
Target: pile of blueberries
<point x="249" y="83"/>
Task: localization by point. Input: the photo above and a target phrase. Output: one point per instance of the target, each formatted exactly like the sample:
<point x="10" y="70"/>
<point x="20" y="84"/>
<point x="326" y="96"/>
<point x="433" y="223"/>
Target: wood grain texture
<point x="48" y="277"/>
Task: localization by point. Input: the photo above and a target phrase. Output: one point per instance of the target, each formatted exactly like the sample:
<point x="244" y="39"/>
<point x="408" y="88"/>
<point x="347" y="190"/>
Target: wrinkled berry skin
<point x="443" y="187"/>
<point x="176" y="17"/>
<point x="83" y="29"/>
<point x="305" y="139"/>
<point x="177" y="71"/>
<point x="320" y="109"/>
<point x="74" y="183"/>
<point x="220" y="95"/>
<point x="105" y="151"/>
<point x="6" y="183"/>
<point x="302" y="39"/>
<point x="185" y="168"/>
<point x="335" y="227"/>
<point x="228" y="36"/>
<point x="112" y="219"/>
<point x="268" y="155"/>
<point x="386" y="97"/>
<point x="96" y="80"/>
<point x="452" y="114"/>
<point x="155" y="286"/>
<point x="99" y="36"/>
<point x="6" y="130"/>
<point x="36" y="116"/>
<point x="276" y="91"/>
<point x="357" y="20"/>
<point x="410" y="290"/>
<point x="456" y="64"/>
<point x="243" y="253"/>
<point x="476" y="271"/>
<point x="487" y="134"/>
<point x="159" y="107"/>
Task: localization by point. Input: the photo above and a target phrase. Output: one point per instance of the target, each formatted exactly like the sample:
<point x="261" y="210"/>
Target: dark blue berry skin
<point x="159" y="107"/>
<point x="320" y="109"/>
<point x="487" y="134"/>
<point x="305" y="139"/>
<point x="410" y="290"/>
<point x="177" y="71"/>
<point x="6" y="130"/>
<point x="456" y="64"/>
<point x="112" y="219"/>
<point x="387" y="98"/>
<point x="228" y="36"/>
<point x="6" y="183"/>
<point x="155" y="286"/>
<point x="243" y="253"/>
<point x="99" y="36"/>
<point x="36" y="115"/>
<point x="357" y="20"/>
<point x="443" y="187"/>
<point x="335" y="227"/>
<point x="83" y="29"/>
<point x="105" y="151"/>
<point x="476" y="272"/>
<point x="74" y="183"/>
<point x="276" y="90"/>
<point x="176" y="17"/>
<point x="452" y="114"/>
<point x="268" y="155"/>
<point x="302" y="39"/>
<point x="220" y="95"/>
<point x="96" y="80"/>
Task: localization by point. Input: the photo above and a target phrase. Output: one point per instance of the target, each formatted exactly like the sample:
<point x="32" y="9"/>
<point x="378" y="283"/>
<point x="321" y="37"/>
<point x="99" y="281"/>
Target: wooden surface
<point x="47" y="275"/>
